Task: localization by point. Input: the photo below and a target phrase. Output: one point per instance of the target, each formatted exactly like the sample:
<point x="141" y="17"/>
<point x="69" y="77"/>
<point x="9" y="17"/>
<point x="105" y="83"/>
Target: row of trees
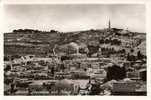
<point x="134" y="58"/>
<point x="111" y="41"/>
<point x="139" y="56"/>
<point x="108" y="51"/>
<point x="32" y="31"/>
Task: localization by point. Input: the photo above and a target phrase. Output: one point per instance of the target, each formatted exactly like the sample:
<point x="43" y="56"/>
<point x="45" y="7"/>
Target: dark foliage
<point x="115" y="72"/>
<point x="92" y="49"/>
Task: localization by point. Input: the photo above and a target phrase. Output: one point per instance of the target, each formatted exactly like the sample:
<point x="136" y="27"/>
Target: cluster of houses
<point x="30" y="73"/>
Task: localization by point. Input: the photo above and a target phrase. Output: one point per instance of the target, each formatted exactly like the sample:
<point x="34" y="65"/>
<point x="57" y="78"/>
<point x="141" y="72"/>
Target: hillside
<point x="29" y="41"/>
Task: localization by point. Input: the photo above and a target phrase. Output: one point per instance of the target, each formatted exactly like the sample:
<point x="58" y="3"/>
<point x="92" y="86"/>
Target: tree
<point x="6" y="58"/>
<point x="7" y="68"/>
<point x="139" y="55"/>
<point x="62" y="67"/>
<point x="92" y="49"/>
<point x="115" y="42"/>
<point x="131" y="57"/>
<point x="53" y="31"/>
<point x="116" y="72"/>
<point x="95" y="89"/>
<point x="52" y="70"/>
<point x="132" y="50"/>
<point x="101" y="41"/>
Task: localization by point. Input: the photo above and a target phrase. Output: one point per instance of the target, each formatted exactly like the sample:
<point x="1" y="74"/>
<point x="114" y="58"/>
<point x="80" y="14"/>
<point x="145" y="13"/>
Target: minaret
<point x="109" y="25"/>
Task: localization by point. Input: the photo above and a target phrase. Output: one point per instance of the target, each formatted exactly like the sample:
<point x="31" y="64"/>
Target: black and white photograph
<point x="75" y="50"/>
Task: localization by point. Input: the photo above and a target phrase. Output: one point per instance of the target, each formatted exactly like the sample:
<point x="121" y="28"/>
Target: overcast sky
<point x="74" y="17"/>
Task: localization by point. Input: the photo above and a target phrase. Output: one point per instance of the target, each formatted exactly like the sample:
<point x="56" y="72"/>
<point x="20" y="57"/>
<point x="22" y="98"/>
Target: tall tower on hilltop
<point x="109" y="25"/>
